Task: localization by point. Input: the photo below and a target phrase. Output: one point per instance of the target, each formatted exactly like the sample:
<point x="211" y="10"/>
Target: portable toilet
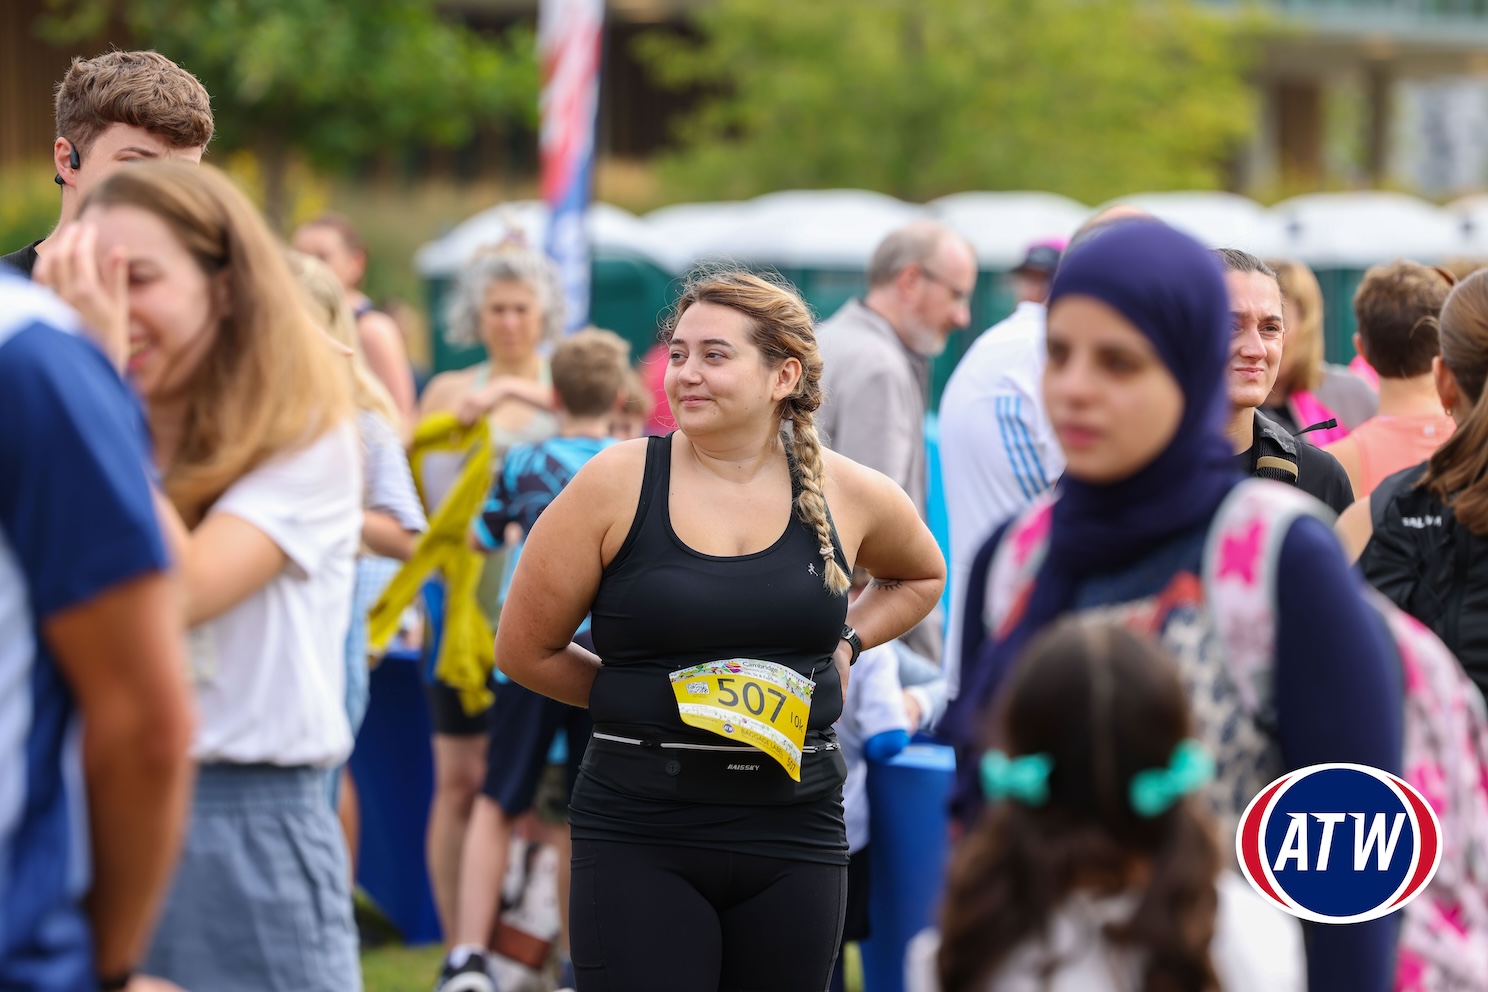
<point x="820" y="240"/>
<point x="1000" y="227"/>
<point x="1341" y="234"/>
<point x="633" y="271"/>
<point x="1214" y="219"/>
<point x="693" y="231"/>
<point x="1470" y="214"/>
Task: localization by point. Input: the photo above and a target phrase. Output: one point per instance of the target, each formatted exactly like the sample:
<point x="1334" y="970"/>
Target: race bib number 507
<point x="754" y="702"/>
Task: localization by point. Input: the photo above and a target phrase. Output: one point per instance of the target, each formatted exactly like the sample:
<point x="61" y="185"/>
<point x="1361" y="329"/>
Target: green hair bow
<point x="1156" y="789"/>
<point x="1025" y="778"/>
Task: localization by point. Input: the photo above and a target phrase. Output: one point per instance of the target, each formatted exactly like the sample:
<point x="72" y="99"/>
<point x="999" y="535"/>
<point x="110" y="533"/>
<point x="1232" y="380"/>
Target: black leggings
<point x="646" y="918"/>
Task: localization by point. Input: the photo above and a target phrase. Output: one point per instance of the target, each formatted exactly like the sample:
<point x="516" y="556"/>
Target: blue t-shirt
<point x="76" y="518"/>
<point x="532" y="476"/>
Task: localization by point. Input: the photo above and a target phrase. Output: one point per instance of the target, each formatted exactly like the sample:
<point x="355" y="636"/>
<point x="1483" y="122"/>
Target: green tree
<point x="332" y="80"/>
<point x="918" y="98"/>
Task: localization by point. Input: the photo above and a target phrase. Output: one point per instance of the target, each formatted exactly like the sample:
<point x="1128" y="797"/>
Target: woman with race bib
<point x="708" y="839"/>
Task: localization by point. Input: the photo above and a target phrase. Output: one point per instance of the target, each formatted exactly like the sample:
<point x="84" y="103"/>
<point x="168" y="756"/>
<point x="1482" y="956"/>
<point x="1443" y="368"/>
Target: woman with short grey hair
<point x="507" y="300"/>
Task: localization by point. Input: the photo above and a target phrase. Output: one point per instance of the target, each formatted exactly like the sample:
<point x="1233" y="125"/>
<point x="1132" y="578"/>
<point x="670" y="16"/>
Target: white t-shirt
<point x="270" y="672"/>
<point x="1255" y="946"/>
<point x="997" y="448"/>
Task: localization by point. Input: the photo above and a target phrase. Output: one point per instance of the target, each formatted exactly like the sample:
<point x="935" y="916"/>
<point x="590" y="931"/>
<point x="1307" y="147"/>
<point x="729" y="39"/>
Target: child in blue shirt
<point x="589" y="371"/>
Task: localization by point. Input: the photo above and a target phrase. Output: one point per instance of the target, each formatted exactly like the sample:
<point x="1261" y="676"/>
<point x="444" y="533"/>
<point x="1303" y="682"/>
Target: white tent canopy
<point x="614" y="231"/>
<point x="832" y="228"/>
<point x="1215" y="219"/>
<point x="839" y="228"/>
<point x="690" y="230"/>
<point x="1360" y="229"/>
<point x="1470" y="214"/>
<point x="1001" y="226"/>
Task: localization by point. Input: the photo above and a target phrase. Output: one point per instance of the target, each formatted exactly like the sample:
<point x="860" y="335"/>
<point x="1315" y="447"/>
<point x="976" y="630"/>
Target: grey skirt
<point x="261" y="901"/>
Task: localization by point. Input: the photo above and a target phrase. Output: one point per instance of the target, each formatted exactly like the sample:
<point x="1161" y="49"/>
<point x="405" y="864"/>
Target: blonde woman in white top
<point x="251" y="415"/>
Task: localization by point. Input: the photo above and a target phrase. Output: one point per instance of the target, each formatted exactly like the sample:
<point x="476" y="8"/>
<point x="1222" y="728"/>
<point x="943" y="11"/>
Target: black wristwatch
<point x="853" y="641"/>
<point x="114" y="983"/>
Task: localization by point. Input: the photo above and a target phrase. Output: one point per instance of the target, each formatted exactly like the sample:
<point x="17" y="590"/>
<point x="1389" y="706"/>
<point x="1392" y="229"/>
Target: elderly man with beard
<point x="876" y="352"/>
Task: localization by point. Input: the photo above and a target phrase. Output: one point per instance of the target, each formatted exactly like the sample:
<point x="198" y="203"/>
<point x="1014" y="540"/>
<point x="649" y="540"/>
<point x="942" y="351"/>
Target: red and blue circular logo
<point x="1339" y="843"/>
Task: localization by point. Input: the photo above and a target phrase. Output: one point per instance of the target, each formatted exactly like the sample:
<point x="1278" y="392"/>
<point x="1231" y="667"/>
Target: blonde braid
<point x="804" y="449"/>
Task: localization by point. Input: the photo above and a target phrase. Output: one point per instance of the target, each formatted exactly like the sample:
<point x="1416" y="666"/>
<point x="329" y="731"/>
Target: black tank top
<point x="662" y="606"/>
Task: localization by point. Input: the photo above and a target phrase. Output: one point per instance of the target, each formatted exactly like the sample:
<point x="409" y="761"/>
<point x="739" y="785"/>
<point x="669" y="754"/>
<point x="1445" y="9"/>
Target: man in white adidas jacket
<point x="997" y="448"/>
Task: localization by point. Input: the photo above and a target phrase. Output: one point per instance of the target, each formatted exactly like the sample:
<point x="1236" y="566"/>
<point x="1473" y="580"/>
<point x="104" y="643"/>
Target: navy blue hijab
<point x="1173" y="290"/>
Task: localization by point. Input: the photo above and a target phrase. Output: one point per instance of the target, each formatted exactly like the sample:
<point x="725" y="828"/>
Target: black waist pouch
<point x="697" y="774"/>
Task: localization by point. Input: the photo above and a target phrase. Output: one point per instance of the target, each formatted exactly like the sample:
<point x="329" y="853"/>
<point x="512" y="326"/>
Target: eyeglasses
<point x="958" y="296"/>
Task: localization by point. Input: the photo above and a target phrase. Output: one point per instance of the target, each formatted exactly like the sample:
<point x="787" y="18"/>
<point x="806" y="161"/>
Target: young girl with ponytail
<point x="1100" y="869"/>
<point x="714" y="562"/>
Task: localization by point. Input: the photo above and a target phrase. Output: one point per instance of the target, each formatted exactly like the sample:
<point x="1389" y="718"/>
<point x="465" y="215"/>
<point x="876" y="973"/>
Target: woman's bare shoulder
<point x="853" y="481"/>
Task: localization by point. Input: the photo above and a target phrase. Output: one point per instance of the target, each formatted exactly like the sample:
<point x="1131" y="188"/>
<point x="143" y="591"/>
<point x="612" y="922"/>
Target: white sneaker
<point x="466" y="970"/>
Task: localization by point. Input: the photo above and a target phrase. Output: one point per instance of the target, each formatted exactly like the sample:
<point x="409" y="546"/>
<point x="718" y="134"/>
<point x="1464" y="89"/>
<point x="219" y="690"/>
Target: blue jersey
<point x="76" y="518"/>
<point x="532" y="476"/>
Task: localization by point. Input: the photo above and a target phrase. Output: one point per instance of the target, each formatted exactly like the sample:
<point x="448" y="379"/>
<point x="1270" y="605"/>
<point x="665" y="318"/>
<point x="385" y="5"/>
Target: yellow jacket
<point x="466" y="643"/>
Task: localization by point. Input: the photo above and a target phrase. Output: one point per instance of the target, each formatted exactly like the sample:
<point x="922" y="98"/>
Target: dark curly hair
<point x="1105" y="704"/>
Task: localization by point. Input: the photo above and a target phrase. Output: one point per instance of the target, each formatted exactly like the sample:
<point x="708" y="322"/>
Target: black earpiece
<point x="73" y="159"/>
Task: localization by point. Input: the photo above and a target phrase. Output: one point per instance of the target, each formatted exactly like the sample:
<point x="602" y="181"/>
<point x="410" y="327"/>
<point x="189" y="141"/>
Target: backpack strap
<point x="1241" y="556"/>
<point x="1015" y="564"/>
<point x="1276" y="451"/>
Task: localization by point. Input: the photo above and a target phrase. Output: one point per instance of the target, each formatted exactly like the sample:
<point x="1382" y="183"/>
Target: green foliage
<point x="918" y="98"/>
<point x="335" y="80"/>
<point x="28" y="210"/>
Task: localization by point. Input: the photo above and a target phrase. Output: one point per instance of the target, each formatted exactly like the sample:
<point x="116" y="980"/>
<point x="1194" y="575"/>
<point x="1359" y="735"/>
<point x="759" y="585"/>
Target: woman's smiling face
<point x="173" y="304"/>
<point x="716" y="377"/>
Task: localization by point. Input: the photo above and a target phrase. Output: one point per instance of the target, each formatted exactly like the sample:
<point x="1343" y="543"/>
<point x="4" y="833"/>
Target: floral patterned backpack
<point x="1444" y="933"/>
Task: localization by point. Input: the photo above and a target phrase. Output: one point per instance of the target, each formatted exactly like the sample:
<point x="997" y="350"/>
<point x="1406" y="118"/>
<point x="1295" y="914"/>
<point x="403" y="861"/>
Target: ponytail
<point x="1457" y="473"/>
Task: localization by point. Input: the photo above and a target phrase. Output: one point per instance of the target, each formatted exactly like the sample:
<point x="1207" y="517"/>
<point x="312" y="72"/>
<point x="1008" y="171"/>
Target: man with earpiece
<point x="117" y="108"/>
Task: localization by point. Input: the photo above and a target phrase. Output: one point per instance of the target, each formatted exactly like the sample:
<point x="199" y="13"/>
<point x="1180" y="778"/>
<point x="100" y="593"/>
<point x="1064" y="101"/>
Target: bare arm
<point x="558" y="576"/>
<point x="123" y="654"/>
<point x="221" y="563"/>
<point x="1355" y="526"/>
<point x="386" y="536"/>
<point x="382" y="345"/>
<point x="500" y="389"/>
<point x="895" y="548"/>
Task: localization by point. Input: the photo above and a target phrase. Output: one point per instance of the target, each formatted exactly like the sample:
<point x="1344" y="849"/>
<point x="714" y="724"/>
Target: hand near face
<point x="96" y="287"/>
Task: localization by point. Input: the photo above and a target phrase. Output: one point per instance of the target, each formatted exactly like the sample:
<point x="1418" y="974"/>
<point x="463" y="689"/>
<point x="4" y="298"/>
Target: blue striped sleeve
<point x="1007" y="426"/>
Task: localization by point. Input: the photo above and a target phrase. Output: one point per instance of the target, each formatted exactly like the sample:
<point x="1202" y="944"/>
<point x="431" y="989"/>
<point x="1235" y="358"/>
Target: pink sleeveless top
<point x="1388" y="444"/>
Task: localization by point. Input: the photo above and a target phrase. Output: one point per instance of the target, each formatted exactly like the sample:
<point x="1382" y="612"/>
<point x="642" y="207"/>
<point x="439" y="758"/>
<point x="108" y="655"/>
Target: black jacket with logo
<point x="1431" y="567"/>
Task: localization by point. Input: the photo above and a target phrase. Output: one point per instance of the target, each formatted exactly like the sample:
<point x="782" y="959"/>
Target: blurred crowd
<point x="669" y="614"/>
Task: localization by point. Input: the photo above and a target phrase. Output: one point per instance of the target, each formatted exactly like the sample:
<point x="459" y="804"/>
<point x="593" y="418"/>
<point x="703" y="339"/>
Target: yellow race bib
<point x="755" y="702"/>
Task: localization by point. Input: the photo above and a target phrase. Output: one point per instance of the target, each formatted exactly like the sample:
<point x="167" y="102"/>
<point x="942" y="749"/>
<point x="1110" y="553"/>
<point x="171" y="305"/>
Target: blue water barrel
<point x="908" y="848"/>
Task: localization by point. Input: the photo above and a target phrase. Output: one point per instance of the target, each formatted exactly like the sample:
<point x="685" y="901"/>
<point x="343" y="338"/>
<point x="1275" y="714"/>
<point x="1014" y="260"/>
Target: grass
<point x="395" y="968"/>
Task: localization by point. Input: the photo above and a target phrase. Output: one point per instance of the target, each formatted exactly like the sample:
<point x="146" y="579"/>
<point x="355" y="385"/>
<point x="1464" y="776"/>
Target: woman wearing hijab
<point x="1138" y="330"/>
